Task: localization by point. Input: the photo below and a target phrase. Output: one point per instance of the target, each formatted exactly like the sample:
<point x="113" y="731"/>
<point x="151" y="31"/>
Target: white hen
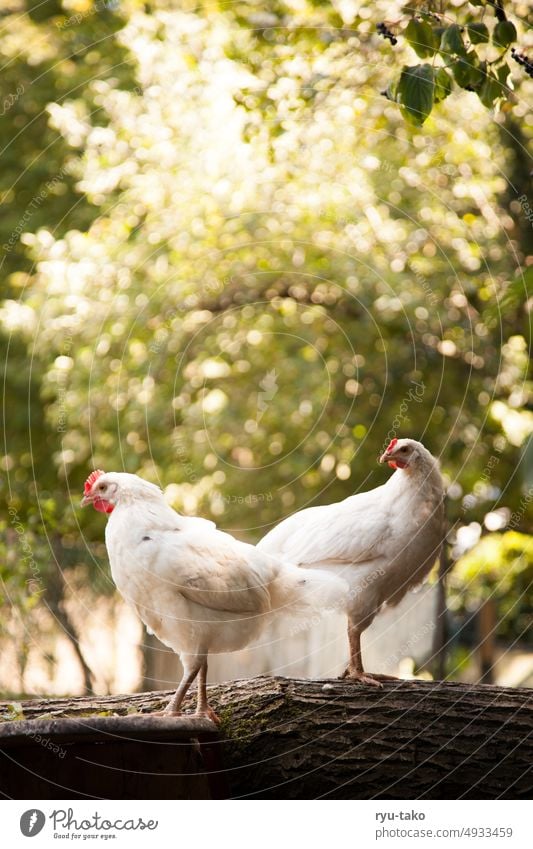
<point x="198" y="589"/>
<point x="382" y="542"/>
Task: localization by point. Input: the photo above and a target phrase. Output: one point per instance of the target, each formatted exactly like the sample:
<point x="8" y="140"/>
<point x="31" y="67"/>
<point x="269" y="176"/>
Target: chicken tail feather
<point x="308" y="592"/>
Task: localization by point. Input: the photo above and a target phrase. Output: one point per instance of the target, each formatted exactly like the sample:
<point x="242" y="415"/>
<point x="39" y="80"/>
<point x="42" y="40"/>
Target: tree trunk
<point x="487" y="624"/>
<point x="55" y="600"/>
<point x="292" y="739"/>
<point x="440" y="640"/>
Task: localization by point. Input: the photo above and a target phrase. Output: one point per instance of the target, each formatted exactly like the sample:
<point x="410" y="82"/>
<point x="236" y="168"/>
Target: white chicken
<point x="382" y="542"/>
<point x="198" y="589"/>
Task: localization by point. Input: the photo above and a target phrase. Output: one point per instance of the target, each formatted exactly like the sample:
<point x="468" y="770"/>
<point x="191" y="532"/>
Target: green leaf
<point x="478" y="33"/>
<point x="466" y="72"/>
<point x="420" y="36"/>
<point x="490" y="91"/>
<point x="461" y="72"/>
<point x="451" y="43"/>
<point x="478" y="72"/>
<point x="503" y="75"/>
<point x="504" y="34"/>
<point x="443" y="84"/>
<point x="415" y="93"/>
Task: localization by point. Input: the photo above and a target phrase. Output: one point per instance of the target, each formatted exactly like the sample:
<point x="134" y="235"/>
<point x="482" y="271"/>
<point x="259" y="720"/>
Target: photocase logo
<point x="32" y="822"/>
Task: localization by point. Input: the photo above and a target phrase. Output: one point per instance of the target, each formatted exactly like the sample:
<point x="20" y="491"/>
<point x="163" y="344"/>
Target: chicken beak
<point x="86" y="500"/>
<point x="384" y="457"/>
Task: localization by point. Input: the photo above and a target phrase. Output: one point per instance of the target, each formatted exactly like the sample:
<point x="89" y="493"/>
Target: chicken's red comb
<point x="390" y="446"/>
<point x="91" y="479"/>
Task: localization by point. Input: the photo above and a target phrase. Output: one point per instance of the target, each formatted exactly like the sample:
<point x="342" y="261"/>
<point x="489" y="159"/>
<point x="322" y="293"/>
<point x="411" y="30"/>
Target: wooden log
<point x="111" y="757"/>
<point x="294" y="739"/>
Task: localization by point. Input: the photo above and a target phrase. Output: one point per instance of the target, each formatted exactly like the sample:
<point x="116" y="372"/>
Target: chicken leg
<point x="202" y="706"/>
<point x="189" y="674"/>
<point x="190" y="671"/>
<point x="355" y="671"/>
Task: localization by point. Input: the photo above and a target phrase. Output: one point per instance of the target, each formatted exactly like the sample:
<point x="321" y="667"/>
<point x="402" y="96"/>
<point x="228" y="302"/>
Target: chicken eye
<point x="403" y="449"/>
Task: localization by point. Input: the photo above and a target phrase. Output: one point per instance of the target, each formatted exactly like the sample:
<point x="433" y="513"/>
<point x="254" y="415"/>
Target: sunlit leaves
<point x="421" y="37"/>
<point x="472" y="51"/>
<point x="500" y="569"/>
<point x="491" y="90"/>
<point x="467" y="73"/>
<point x="415" y="93"/>
<point x="443" y="84"/>
<point x="478" y="33"/>
<point x="221" y="257"/>
<point x="451" y="43"/>
<point x="504" y="34"/>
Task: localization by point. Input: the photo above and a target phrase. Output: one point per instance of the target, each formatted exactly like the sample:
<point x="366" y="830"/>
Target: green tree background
<point x="230" y="265"/>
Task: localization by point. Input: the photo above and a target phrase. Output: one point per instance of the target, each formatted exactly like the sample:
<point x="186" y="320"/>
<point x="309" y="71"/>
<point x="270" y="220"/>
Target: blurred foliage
<point x="229" y="265"/>
<point x="499" y="567"/>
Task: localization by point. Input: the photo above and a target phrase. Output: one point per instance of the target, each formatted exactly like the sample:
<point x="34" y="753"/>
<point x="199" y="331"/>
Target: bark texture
<point x="301" y="739"/>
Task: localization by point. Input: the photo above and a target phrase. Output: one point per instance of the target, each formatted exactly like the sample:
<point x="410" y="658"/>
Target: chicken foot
<point x="354" y="670"/>
<point x="199" y="668"/>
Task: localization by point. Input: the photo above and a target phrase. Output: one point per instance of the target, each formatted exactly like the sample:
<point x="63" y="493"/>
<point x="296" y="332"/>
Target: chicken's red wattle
<point x="103" y="506"/>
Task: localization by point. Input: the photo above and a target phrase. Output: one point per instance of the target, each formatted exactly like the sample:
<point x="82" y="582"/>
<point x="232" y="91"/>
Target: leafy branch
<point x="469" y="54"/>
